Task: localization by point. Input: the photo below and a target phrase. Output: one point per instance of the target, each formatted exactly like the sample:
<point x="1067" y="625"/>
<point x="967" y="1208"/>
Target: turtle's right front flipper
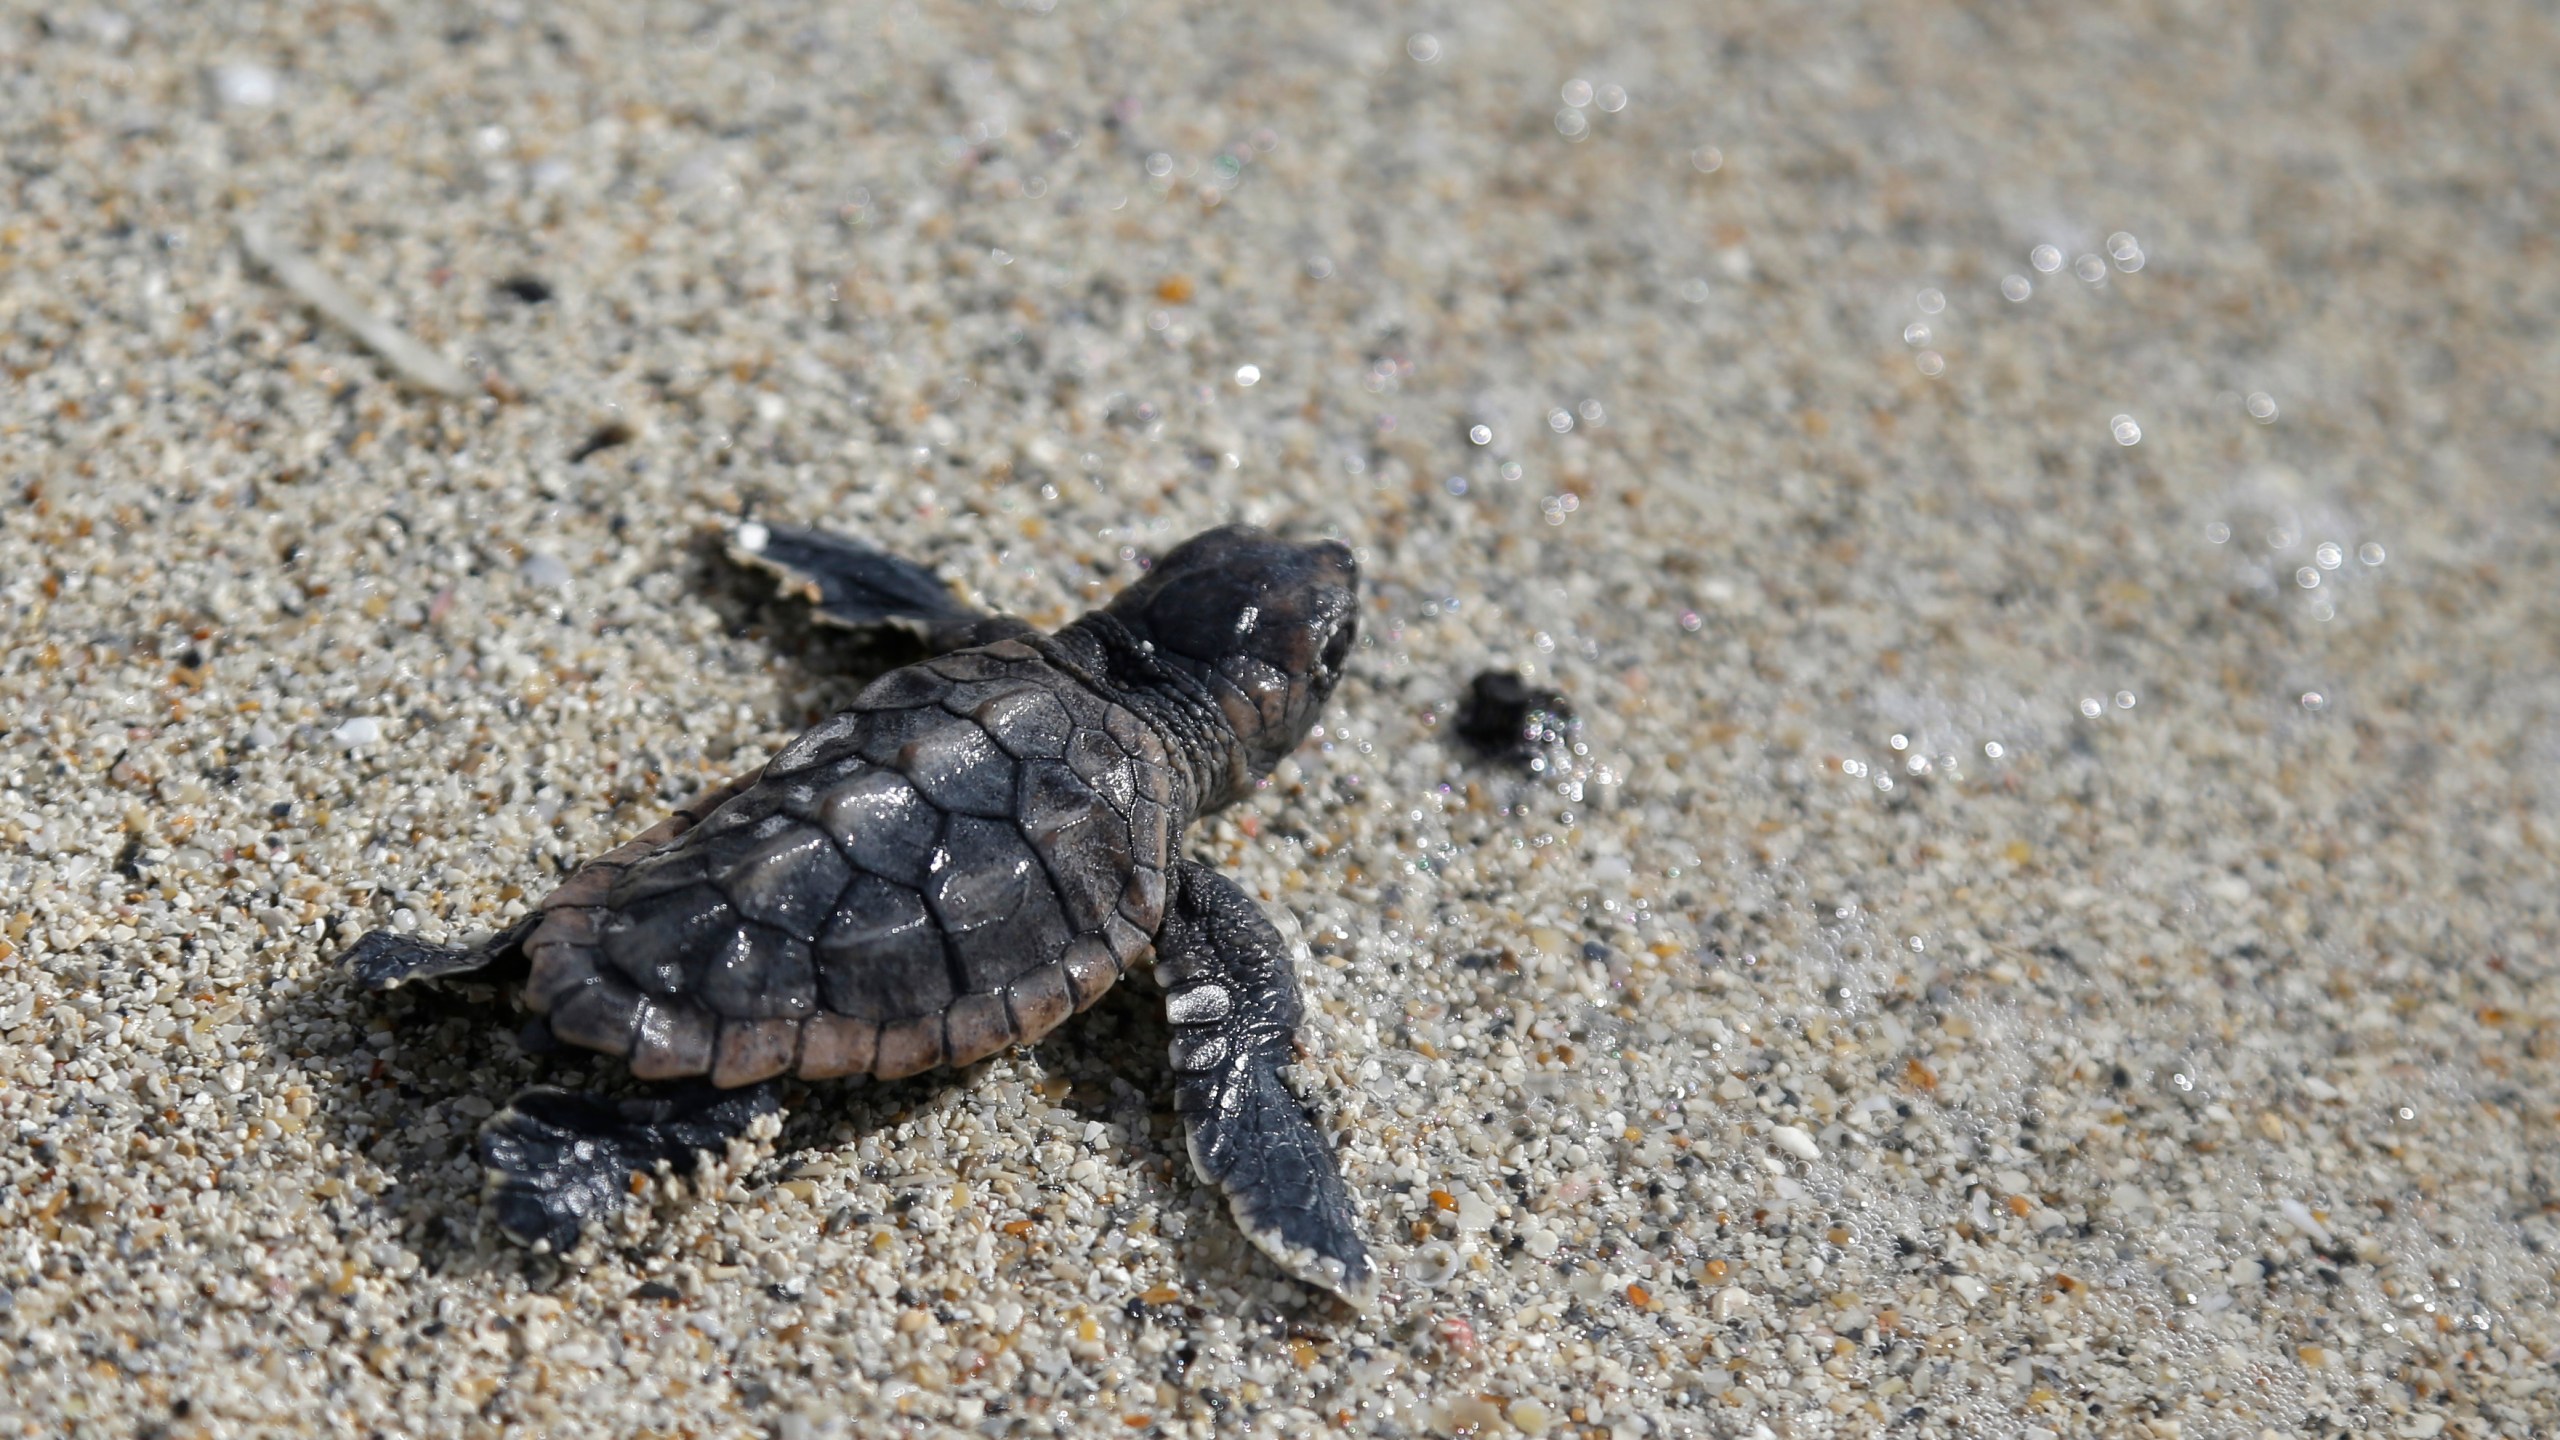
<point x="1233" y="1000"/>
<point x="852" y="586"/>
<point x="385" y="961"/>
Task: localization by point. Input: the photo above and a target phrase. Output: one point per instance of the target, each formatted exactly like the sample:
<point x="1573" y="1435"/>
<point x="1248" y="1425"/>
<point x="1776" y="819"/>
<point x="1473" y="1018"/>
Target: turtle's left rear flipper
<point x="385" y="961"/>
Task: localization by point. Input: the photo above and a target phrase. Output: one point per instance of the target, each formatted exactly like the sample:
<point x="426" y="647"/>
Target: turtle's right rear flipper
<point x="556" y="1161"/>
<point x="385" y="961"/>
<point x="851" y="586"/>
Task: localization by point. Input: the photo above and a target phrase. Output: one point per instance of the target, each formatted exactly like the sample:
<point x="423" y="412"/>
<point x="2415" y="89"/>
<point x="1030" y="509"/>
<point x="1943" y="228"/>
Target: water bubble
<point x="2045" y="258"/>
<point x="1576" y="93"/>
<point x="1571" y="125"/>
<point x="1424" y="48"/>
<point x="2090" y="268"/>
<point x="1931" y="362"/>
<point x="1560" y="421"/>
<point x="2125" y="431"/>
<point x="1917" y="944"/>
<point x="2262" y="408"/>
<point x="1993" y="749"/>
<point x="1433" y="1266"/>
<point x="2217" y="532"/>
<point x="1319" y="267"/>
<point x="2314" y="700"/>
<point x="1706" y="159"/>
<point x="1159" y="165"/>
<point x="1690" y="621"/>
<point x="1246" y="375"/>
<point x="2328" y="556"/>
<point x="1915" y="333"/>
<point x="2369" y="553"/>
<point x="2090" y="708"/>
<point x="1592" y="412"/>
<point x="2307" y="577"/>
<point x="1900" y="742"/>
<point x="2016" y="288"/>
<point x="1930" y="301"/>
<point x="2125" y="251"/>
<point x="2125" y="700"/>
<point x="1695" y="292"/>
<point x="1457" y="484"/>
<point x="1612" y="98"/>
<point x="1480" y="434"/>
<point x="1511" y="470"/>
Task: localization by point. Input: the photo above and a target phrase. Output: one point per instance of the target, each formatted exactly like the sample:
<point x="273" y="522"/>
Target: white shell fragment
<point x="410" y="361"/>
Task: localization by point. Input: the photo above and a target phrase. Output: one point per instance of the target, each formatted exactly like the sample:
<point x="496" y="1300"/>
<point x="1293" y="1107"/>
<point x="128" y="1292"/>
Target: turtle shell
<point x="970" y="852"/>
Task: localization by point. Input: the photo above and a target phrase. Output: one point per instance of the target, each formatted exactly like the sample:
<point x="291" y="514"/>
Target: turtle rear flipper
<point x="557" y="1160"/>
<point x="1233" y="1000"/>
<point x="385" y="961"/>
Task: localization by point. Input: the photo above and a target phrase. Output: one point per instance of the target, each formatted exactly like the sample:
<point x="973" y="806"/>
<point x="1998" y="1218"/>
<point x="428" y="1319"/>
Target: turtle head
<point x="1265" y="623"/>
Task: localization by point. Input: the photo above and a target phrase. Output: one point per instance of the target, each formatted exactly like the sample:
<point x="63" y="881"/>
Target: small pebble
<point x="1508" y="719"/>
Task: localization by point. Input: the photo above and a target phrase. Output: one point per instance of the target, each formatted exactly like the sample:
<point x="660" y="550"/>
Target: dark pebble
<point x="1508" y="719"/>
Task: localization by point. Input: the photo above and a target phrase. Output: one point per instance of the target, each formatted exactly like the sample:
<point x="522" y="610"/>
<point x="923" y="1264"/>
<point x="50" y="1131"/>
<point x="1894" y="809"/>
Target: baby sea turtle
<point x="973" y="850"/>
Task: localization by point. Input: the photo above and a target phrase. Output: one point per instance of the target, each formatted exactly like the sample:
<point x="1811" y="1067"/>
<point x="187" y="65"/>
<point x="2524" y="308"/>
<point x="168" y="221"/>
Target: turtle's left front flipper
<point x="852" y="586"/>
<point x="557" y="1160"/>
<point x="1233" y="1000"/>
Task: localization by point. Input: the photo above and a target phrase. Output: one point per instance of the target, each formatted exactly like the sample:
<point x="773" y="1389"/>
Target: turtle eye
<point x="1338" y="649"/>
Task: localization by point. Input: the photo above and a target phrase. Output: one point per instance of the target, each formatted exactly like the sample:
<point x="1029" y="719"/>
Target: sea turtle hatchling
<point x="974" y="849"/>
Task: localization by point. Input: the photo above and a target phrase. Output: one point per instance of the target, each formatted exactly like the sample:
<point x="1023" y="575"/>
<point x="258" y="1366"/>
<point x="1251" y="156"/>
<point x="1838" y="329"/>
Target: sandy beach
<point x="2047" y="519"/>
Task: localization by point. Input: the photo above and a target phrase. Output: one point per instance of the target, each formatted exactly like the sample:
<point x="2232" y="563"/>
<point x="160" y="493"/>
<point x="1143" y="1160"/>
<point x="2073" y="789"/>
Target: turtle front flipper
<point x="855" y="587"/>
<point x="556" y="1160"/>
<point x="1233" y="1000"/>
<point x="383" y="961"/>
